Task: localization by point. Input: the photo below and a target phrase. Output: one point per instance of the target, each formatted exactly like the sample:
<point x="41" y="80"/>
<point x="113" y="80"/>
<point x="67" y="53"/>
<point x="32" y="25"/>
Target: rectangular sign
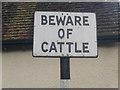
<point x="67" y="34"/>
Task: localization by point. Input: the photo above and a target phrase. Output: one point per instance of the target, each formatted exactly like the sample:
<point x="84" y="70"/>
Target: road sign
<point x="64" y="34"/>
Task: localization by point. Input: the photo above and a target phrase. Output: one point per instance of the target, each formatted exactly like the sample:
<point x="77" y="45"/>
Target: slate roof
<point x="18" y="18"/>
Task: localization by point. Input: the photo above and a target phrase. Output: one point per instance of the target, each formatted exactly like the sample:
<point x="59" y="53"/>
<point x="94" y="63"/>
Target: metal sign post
<point x="64" y="72"/>
<point x="64" y="35"/>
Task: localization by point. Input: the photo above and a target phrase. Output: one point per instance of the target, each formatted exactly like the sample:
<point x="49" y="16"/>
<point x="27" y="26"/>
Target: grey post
<point x="64" y="72"/>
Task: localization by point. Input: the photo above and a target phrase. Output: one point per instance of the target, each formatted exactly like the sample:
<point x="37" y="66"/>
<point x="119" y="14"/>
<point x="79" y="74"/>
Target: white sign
<point x="64" y="34"/>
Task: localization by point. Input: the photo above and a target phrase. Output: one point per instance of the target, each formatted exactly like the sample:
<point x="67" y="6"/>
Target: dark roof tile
<point x="18" y="17"/>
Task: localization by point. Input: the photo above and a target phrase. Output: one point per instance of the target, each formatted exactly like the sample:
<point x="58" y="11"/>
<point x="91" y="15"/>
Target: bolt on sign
<point x="64" y="34"/>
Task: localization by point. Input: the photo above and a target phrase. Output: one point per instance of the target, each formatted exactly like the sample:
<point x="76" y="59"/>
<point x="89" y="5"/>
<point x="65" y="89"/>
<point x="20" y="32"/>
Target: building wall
<point x="21" y="70"/>
<point x="0" y="70"/>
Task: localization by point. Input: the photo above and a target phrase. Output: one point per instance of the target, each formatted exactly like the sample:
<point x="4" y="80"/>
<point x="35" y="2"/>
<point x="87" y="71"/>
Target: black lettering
<point x="77" y="20"/>
<point x="61" y="33"/>
<point x="69" y="21"/>
<point x="51" y="19"/>
<point x="60" y="20"/>
<point x="43" y="20"/>
<point x="69" y="46"/>
<point x="85" y="48"/>
<point x="61" y="44"/>
<point x="69" y="33"/>
<point x="76" y="50"/>
<point x="43" y="48"/>
<point x="85" y="21"/>
<point x="53" y="47"/>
